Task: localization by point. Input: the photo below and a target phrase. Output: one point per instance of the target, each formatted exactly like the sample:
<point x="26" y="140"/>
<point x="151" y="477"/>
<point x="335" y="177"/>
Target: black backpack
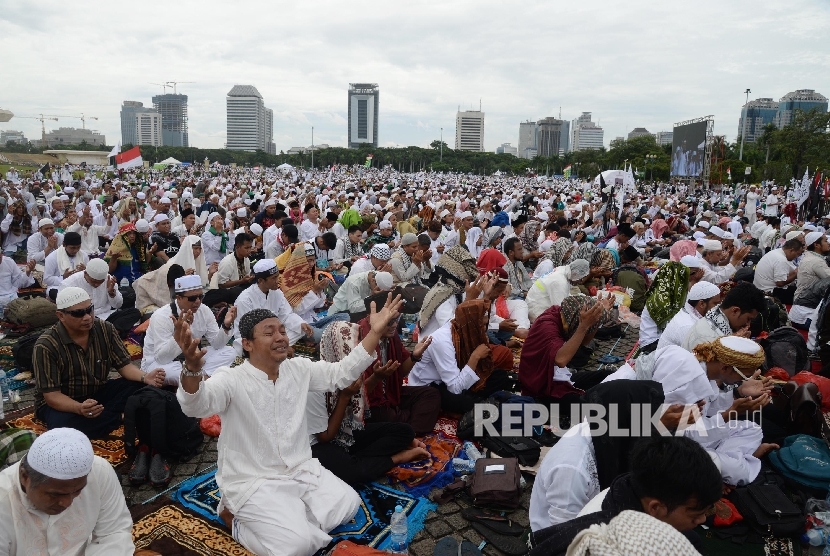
<point x="155" y="416"/>
<point x="124" y="320"/>
<point x="524" y="449"/>
<point x="786" y="348"/>
<point x="24" y="349"/>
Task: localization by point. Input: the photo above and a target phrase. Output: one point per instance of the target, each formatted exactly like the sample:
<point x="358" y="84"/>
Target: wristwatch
<point x="188" y="372"/>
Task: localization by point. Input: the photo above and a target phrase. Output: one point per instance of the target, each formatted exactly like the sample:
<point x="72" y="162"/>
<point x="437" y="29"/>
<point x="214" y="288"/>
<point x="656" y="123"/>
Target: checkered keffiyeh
<point x="14" y="443"/>
<point x="631" y="533"/>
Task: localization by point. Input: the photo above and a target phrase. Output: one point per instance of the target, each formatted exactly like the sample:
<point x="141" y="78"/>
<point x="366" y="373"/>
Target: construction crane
<point x="174" y="83"/>
<point x="163" y="85"/>
<point x="42" y="119"/>
<point x="85" y="118"/>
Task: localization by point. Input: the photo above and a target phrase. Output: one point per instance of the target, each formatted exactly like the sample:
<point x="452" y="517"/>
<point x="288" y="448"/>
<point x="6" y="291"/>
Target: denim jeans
<point x="320" y="324"/>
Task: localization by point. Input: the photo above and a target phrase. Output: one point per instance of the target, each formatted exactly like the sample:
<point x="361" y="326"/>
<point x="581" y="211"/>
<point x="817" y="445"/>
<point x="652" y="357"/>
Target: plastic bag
<point x="211" y="426"/>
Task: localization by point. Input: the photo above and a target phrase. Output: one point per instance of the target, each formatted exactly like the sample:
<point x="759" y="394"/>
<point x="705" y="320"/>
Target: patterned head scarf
<point x="491" y="234"/>
<point x="296" y="280"/>
<point x="454" y="268"/>
<point x="667" y="293"/>
<point x="570" y="308"/>
<point x="604" y="259"/>
<point x="338" y="341"/>
<point x="732" y="350"/>
<point x="530" y="235"/>
<point x="631" y="533"/>
<point x="468" y="333"/>
<point x="682" y="248"/>
<point x="558" y="250"/>
<point x="25" y="221"/>
<point x="584" y="251"/>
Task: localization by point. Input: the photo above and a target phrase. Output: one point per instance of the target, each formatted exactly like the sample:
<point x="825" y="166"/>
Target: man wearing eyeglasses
<point x="161" y="350"/>
<point x="72" y="362"/>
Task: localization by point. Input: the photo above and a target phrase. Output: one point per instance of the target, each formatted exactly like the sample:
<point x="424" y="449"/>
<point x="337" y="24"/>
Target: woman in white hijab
<point x="693" y="378"/>
<point x="151" y="289"/>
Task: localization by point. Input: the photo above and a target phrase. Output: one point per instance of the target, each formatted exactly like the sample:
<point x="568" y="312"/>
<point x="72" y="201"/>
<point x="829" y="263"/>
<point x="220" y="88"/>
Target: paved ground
<point x="445" y="521"/>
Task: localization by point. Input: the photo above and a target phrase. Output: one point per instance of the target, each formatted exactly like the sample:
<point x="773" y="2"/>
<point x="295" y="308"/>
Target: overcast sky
<point x="639" y="63"/>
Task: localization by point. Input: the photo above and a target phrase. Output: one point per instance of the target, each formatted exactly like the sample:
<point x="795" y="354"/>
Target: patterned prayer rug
<point x="370" y="526"/>
<point x="110" y="448"/>
<point x="168" y="529"/>
<point x="448" y="426"/>
<point x="420" y="477"/>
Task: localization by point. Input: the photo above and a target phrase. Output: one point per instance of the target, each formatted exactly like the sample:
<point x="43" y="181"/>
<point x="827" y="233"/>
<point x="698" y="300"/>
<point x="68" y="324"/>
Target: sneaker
<point x="160" y="473"/>
<point x="140" y="467"/>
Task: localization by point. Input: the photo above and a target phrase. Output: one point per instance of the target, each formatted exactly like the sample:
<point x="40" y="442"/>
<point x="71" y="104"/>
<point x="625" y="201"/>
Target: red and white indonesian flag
<point x="129" y="159"/>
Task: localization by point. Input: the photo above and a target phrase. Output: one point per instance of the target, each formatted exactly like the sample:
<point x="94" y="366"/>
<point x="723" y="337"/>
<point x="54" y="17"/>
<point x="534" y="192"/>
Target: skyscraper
<point x="250" y="123"/>
<point x="585" y="134"/>
<point x="129" y="132"/>
<point x="469" y="131"/>
<point x="364" y="104"/>
<point x="664" y="137"/>
<point x="506" y="148"/>
<point x="527" y="139"/>
<point x="802" y="99"/>
<point x="148" y="128"/>
<point x="639" y="132"/>
<point x="754" y="116"/>
<point x="173" y="110"/>
<point x="549" y="140"/>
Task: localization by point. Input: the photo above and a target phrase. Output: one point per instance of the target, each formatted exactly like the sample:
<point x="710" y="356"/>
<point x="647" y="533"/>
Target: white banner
<point x="802" y="190"/>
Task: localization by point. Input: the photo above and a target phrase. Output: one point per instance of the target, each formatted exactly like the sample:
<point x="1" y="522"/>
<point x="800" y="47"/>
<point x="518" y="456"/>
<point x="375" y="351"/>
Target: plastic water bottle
<point x="463" y="465"/>
<point x="826" y="551"/>
<point x="817" y="536"/>
<point x="472" y="452"/>
<point x="4" y="386"/>
<point x="399" y="532"/>
<point x="124" y="282"/>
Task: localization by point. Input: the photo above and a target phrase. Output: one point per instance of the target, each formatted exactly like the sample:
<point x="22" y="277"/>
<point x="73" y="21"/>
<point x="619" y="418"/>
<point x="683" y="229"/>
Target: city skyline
<point x="653" y="81"/>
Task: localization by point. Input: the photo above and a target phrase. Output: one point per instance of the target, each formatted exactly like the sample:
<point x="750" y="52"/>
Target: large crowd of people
<point x="222" y="265"/>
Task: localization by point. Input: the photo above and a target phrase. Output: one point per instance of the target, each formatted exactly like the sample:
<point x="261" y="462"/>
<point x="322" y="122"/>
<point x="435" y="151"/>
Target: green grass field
<point x="21" y="170"/>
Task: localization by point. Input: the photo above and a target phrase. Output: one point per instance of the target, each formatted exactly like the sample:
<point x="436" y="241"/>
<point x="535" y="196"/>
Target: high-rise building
<point x="507" y="148"/>
<point x="565" y="147"/>
<point x="549" y="140"/>
<point x="173" y="110"/>
<point x="148" y="128"/>
<point x="802" y="99"/>
<point x="664" y="137"/>
<point x="585" y="134"/>
<point x="469" y="130"/>
<point x="11" y="135"/>
<point x="364" y="105"/>
<point x="250" y="123"/>
<point x="639" y="132"/>
<point x="755" y="115"/>
<point x="129" y="110"/>
<point x="73" y="136"/>
<point x="527" y="139"/>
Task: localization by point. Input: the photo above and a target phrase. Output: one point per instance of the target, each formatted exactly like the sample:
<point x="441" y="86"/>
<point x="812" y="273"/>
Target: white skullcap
<point x="142" y="226"/>
<point x="63" y="454"/>
<point x="701" y="241"/>
<point x="45" y="222"/>
<point x="256" y="229"/>
<point x="385" y="225"/>
<point x="739" y="344"/>
<point x="381" y="251"/>
<point x="466" y="214"/>
<point x="445" y="212"/>
<point x="409" y="238"/>
<point x="810" y="227"/>
<point x="542" y="216"/>
<point x="270" y="203"/>
<point x="702" y="290"/>
<point x="186" y="283"/>
<point x="579" y="269"/>
<point x="141" y="195"/>
<point x="241" y="212"/>
<point x="712" y="245"/>
<point x="690" y="261"/>
<point x="160" y="218"/>
<point x="793" y="234"/>
<point x="266" y="266"/>
<point x="545" y="245"/>
<point x="698" y="235"/>
<point x="703" y="224"/>
<point x="383" y="280"/>
<point x="196" y="203"/>
<point x="716" y="231"/>
<point x="97" y="269"/>
<point x="165" y="201"/>
<point x="70" y="296"/>
<point x="213" y="215"/>
<point x="727" y="235"/>
<point x="812" y="237"/>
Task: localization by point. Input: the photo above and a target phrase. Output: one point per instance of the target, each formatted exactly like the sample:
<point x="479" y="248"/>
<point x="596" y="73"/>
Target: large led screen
<point x="688" y="150"/>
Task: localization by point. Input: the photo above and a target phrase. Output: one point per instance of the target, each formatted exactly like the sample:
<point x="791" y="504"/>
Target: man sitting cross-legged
<point x="279" y="498"/>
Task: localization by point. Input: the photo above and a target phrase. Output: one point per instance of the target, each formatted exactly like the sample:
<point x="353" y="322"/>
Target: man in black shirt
<point x="163" y="244"/>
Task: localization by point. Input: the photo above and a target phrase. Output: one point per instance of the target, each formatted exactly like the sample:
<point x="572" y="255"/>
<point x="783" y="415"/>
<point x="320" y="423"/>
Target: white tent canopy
<point x="285" y="167"/>
<point x="170" y="160"/>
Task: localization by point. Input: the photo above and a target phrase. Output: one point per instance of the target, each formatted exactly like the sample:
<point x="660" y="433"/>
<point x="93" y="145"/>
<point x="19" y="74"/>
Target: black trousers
<point x="784" y="295"/>
<point x="419" y="408"/>
<point x="112" y="395"/>
<point x="222" y="295"/>
<point x="465" y="401"/>
<point x="370" y="457"/>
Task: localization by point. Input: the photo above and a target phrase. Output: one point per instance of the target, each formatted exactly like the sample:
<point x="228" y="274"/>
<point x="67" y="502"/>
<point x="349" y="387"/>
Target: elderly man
<point x="378" y="259"/>
<point x="62" y="499"/>
<point x="91" y="233"/>
<point x="712" y="255"/>
<point x="216" y="242"/>
<point x="407" y="260"/>
<point x="266" y="294"/>
<point x="812" y="269"/>
<point x="102" y="288"/>
<point x="65" y="261"/>
<point x="161" y="350"/>
<point x="44" y="241"/>
<point x="775" y="272"/>
<point x="555" y="286"/>
<point x="72" y="361"/>
<point x="278" y="498"/>
<point x="352" y="293"/>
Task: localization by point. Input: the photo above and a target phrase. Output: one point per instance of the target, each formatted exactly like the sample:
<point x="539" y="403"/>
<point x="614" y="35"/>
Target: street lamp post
<point x="744" y="126"/>
<point x="650" y="158"/>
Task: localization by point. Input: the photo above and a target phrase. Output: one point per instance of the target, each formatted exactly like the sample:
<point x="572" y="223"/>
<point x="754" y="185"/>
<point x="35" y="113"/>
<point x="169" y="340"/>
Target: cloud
<point x="633" y="64"/>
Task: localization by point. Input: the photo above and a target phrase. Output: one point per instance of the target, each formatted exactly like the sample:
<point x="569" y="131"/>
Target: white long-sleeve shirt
<point x="104" y="304"/>
<point x="305" y="309"/>
<point x="97" y="523"/>
<point x="678" y="327"/>
<point x="52" y="274"/>
<point x="12" y="279"/>
<point x="211" y="245"/>
<point x="37" y="243"/>
<point x="264" y="422"/>
<point x="89" y="236"/>
<point x="438" y="364"/>
<point x="253" y="298"/>
<point x="160" y="347"/>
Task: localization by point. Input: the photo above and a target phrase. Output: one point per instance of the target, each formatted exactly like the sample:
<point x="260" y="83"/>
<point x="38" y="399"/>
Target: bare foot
<point x="417" y="444"/>
<point x="764" y="449"/>
<point x="513" y="344"/>
<point x="410" y="454"/>
<point x="227" y="517"/>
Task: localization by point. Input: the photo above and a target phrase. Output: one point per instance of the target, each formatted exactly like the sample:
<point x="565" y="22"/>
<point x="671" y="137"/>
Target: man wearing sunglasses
<point x="161" y="350"/>
<point x="72" y="362"/>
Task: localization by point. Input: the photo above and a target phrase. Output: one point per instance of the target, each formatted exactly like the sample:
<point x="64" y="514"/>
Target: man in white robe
<point x="702" y="297"/>
<point x="64" y="261"/>
<point x="62" y="499"/>
<point x="161" y="350"/>
<point x="100" y="285"/>
<point x="275" y="496"/>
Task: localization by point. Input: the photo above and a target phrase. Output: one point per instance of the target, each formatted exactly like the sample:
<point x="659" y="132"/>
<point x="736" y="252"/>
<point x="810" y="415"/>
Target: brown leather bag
<point x="496" y="483"/>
